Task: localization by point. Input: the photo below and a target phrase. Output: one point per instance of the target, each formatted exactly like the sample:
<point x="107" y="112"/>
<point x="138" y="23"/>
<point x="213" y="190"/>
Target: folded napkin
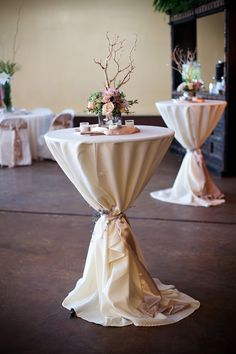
<point x="125" y="130"/>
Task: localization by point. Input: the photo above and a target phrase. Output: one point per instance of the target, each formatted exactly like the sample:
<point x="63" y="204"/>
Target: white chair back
<point x="14" y="143"/>
<point x="70" y="111"/>
<point x="62" y="120"/>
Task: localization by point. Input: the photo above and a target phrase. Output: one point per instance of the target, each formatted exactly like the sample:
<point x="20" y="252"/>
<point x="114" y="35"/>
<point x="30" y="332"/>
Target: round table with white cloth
<point x="192" y="123"/>
<point x="110" y="172"/>
<point x="38" y="124"/>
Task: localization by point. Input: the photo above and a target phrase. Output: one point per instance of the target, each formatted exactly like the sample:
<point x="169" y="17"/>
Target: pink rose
<point x="124" y="107"/>
<point x="107" y="109"/>
<point x="91" y="105"/>
<point x="198" y="85"/>
<point x="106" y="99"/>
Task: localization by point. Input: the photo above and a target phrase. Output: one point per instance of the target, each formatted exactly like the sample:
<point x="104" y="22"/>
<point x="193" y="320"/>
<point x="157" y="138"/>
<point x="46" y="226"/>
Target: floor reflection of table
<point x="192" y="123"/>
<point x="38" y="124"/>
<point x="110" y="172"/>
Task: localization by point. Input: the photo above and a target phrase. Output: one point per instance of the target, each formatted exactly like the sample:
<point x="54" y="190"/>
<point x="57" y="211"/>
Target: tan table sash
<point x="15" y="124"/>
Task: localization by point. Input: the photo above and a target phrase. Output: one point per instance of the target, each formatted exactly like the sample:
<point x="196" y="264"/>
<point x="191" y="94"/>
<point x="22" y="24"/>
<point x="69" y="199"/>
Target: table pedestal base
<point x="116" y="288"/>
<point x="193" y="184"/>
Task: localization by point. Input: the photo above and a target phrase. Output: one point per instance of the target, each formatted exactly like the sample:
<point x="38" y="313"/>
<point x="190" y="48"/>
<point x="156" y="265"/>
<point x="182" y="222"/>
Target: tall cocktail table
<point x="192" y="123"/>
<point x="110" y="172"/>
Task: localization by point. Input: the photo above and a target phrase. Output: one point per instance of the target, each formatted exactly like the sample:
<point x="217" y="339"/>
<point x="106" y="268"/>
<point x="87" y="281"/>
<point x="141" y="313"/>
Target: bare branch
<point x="115" y="48"/>
<point x="130" y="67"/>
<point x="180" y="58"/>
<point x="99" y="62"/>
<point x="104" y="68"/>
<point x="14" y="48"/>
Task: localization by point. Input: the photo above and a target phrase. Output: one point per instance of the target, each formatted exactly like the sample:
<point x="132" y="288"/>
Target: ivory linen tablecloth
<point x="192" y="123"/>
<point x="38" y="124"/>
<point x="110" y="172"/>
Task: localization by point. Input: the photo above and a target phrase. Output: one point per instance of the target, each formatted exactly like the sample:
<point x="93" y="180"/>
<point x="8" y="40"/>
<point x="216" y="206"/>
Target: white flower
<point x="4" y="78"/>
<point x="107" y="109"/>
<point x="190" y="85"/>
<point x="181" y="87"/>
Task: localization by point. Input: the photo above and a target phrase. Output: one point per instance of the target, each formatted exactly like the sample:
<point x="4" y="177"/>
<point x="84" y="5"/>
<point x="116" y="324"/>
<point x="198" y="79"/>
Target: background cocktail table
<point x="192" y="123"/>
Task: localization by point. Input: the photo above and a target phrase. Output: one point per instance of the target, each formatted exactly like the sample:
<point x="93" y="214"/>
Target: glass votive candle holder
<point x="84" y="127"/>
<point x="129" y="122"/>
<point x="113" y="126"/>
<point x="119" y="122"/>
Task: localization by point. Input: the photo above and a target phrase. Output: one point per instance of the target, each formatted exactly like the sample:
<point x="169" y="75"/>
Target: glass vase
<point x="191" y="71"/>
<point x="6" y="88"/>
<point x="116" y="119"/>
<point x="188" y="95"/>
<point x="100" y="120"/>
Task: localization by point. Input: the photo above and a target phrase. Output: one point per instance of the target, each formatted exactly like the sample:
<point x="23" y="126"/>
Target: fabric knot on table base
<point x="193" y="184"/>
<point x="209" y="190"/>
<point x="116" y="288"/>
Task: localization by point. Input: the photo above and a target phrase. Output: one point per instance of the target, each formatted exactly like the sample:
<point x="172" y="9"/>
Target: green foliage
<point x="8" y="67"/>
<point x="96" y="99"/>
<point x="172" y="7"/>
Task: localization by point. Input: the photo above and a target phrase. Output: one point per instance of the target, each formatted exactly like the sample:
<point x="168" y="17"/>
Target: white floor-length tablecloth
<point x="38" y="124"/>
<point x="192" y="123"/>
<point x="110" y="172"/>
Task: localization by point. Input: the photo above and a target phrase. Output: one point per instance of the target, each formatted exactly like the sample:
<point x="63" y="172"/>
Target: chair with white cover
<point x="62" y="120"/>
<point x="42" y="110"/>
<point x="14" y="143"/>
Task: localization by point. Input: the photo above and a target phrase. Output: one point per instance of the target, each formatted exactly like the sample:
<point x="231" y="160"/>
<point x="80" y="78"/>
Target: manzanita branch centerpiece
<point x="110" y="103"/>
<point x="189" y="70"/>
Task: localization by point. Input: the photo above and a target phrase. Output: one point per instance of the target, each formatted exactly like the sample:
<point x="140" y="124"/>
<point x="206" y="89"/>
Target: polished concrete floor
<point x="45" y="228"/>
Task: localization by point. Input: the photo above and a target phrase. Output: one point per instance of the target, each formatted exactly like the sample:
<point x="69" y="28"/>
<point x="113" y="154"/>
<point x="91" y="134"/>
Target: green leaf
<point x="172" y="7"/>
<point x="8" y="67"/>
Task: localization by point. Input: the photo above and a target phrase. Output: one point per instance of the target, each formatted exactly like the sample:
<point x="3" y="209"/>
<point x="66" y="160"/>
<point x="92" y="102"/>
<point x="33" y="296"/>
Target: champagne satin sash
<point x="210" y="190"/>
<point x="15" y="124"/>
<point x="153" y="301"/>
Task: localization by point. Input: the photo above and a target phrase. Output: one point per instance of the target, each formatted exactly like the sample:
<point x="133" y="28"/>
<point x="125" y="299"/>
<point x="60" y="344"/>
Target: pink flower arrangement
<point x="110" y="102"/>
<point x="190" y="86"/>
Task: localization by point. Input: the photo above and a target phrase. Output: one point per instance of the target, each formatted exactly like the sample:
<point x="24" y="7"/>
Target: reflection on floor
<point x="45" y="228"/>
